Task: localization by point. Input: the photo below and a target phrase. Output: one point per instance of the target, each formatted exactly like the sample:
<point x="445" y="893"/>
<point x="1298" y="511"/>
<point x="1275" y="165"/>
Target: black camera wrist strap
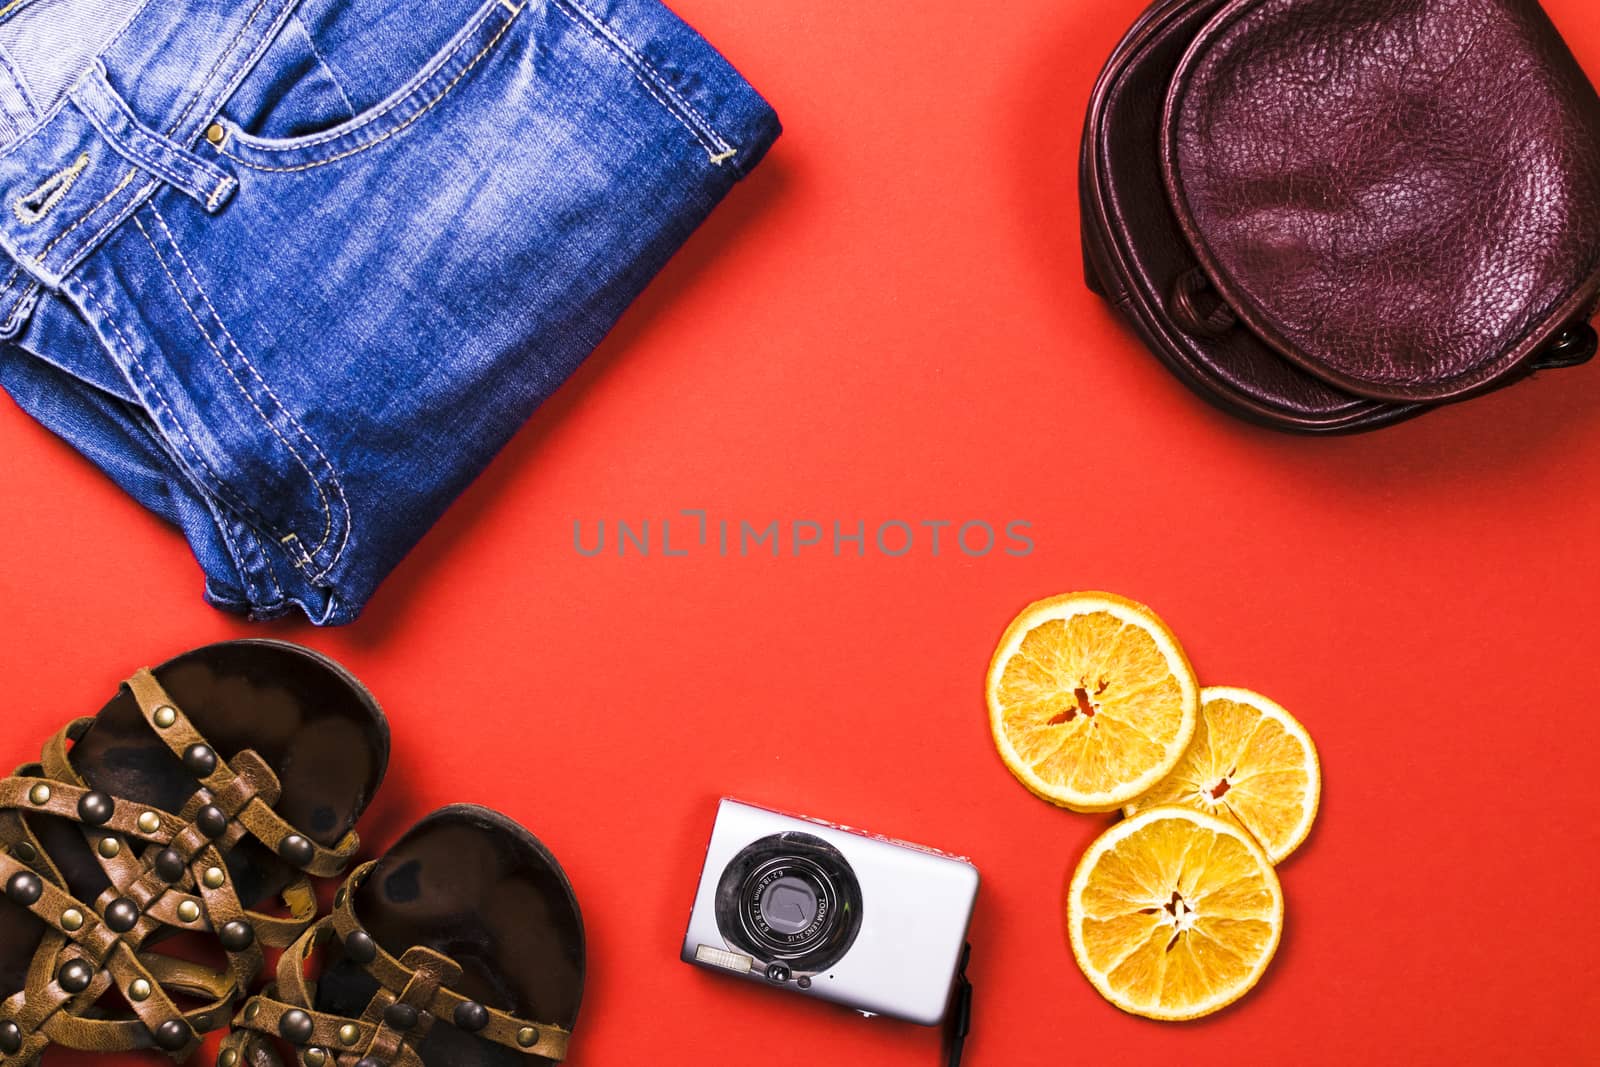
<point x="960" y="1014"/>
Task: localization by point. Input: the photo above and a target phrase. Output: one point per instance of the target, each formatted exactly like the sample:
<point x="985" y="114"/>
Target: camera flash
<point x="717" y="957"/>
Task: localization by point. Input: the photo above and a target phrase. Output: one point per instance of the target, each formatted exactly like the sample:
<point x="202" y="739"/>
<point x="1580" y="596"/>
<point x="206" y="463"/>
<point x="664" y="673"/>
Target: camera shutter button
<point x="777" y="972"/>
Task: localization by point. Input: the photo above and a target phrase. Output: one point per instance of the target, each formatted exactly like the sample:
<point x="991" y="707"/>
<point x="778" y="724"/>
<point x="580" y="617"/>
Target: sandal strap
<point x="254" y="814"/>
<point x="201" y="897"/>
<point x="45" y="1012"/>
<point x="42" y="1010"/>
<point x="420" y="981"/>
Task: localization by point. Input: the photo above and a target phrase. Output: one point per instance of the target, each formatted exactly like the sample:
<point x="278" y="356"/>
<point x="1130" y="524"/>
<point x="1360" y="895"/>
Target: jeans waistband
<point x="104" y="136"/>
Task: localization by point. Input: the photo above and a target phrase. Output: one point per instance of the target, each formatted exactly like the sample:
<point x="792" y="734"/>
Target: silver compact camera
<point x="833" y="913"/>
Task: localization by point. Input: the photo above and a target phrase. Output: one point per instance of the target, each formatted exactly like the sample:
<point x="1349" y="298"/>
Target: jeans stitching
<point x="332" y="473"/>
<point x="649" y="87"/>
<point x="123" y="31"/>
<point x="23" y="88"/>
<point x="123" y="184"/>
<point x="212" y="344"/>
<point x="113" y="221"/>
<point x="715" y="145"/>
<point x="221" y="487"/>
<point x="226" y="90"/>
<point x="333" y="477"/>
<point x="224" y="187"/>
<point x="277" y="589"/>
<point x="65" y="98"/>
<point x="62" y="103"/>
<point x="16" y="306"/>
<point x="223" y="521"/>
<point x="222" y="58"/>
<point x="250" y="590"/>
<point x="322" y="60"/>
<point x="407" y="92"/>
<point x="59" y="185"/>
<point x="172" y="177"/>
<point x="251" y="586"/>
<point x="132" y="173"/>
<point x="160" y="168"/>
<point x="471" y="64"/>
<point x="140" y="159"/>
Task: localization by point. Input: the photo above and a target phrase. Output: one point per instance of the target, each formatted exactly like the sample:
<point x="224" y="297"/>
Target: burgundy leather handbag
<point x="1329" y="215"/>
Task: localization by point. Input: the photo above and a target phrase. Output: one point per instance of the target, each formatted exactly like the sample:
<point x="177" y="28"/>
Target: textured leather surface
<point x="468" y="913"/>
<point x="1136" y="252"/>
<point x="1401" y="196"/>
<point x="170" y="812"/>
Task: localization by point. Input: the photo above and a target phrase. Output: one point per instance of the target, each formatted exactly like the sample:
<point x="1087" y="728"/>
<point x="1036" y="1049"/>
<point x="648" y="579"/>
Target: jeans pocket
<point x="455" y="63"/>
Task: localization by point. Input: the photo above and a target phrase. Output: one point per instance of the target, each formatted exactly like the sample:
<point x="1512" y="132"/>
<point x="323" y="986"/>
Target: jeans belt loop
<point x="207" y="183"/>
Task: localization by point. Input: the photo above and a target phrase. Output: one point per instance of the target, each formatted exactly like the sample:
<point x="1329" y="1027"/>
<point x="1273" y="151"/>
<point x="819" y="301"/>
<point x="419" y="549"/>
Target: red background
<point x="887" y="321"/>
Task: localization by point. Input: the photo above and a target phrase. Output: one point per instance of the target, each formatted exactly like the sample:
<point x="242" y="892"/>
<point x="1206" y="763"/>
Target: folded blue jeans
<point x="291" y="272"/>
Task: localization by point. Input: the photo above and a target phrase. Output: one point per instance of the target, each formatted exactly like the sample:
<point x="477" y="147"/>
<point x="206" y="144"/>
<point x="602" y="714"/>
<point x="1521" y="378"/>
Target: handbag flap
<point x="1401" y="196"/>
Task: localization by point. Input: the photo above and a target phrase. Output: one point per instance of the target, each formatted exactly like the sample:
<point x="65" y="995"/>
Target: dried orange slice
<point x="1091" y="700"/>
<point x="1174" y="913"/>
<point x="1249" y="762"/>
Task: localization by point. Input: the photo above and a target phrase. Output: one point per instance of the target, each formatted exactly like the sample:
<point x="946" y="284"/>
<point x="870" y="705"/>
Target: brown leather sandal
<point x="462" y="947"/>
<point x="203" y="788"/>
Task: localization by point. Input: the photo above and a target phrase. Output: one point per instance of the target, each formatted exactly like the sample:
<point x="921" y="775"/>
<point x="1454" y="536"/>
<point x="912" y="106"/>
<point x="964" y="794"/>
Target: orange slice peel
<point x="1174" y="913"/>
<point x="1092" y="700"/>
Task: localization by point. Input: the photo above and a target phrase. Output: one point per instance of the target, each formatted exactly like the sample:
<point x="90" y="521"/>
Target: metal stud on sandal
<point x="225" y="777"/>
<point x="461" y="947"/>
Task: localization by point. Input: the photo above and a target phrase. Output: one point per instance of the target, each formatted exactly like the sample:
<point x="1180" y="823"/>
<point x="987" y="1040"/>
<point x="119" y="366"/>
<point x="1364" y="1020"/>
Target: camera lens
<point x="790" y="899"/>
<point x="789" y="904"/>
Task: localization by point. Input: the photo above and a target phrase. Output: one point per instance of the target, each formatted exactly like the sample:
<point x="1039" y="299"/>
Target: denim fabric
<point x="292" y="271"/>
